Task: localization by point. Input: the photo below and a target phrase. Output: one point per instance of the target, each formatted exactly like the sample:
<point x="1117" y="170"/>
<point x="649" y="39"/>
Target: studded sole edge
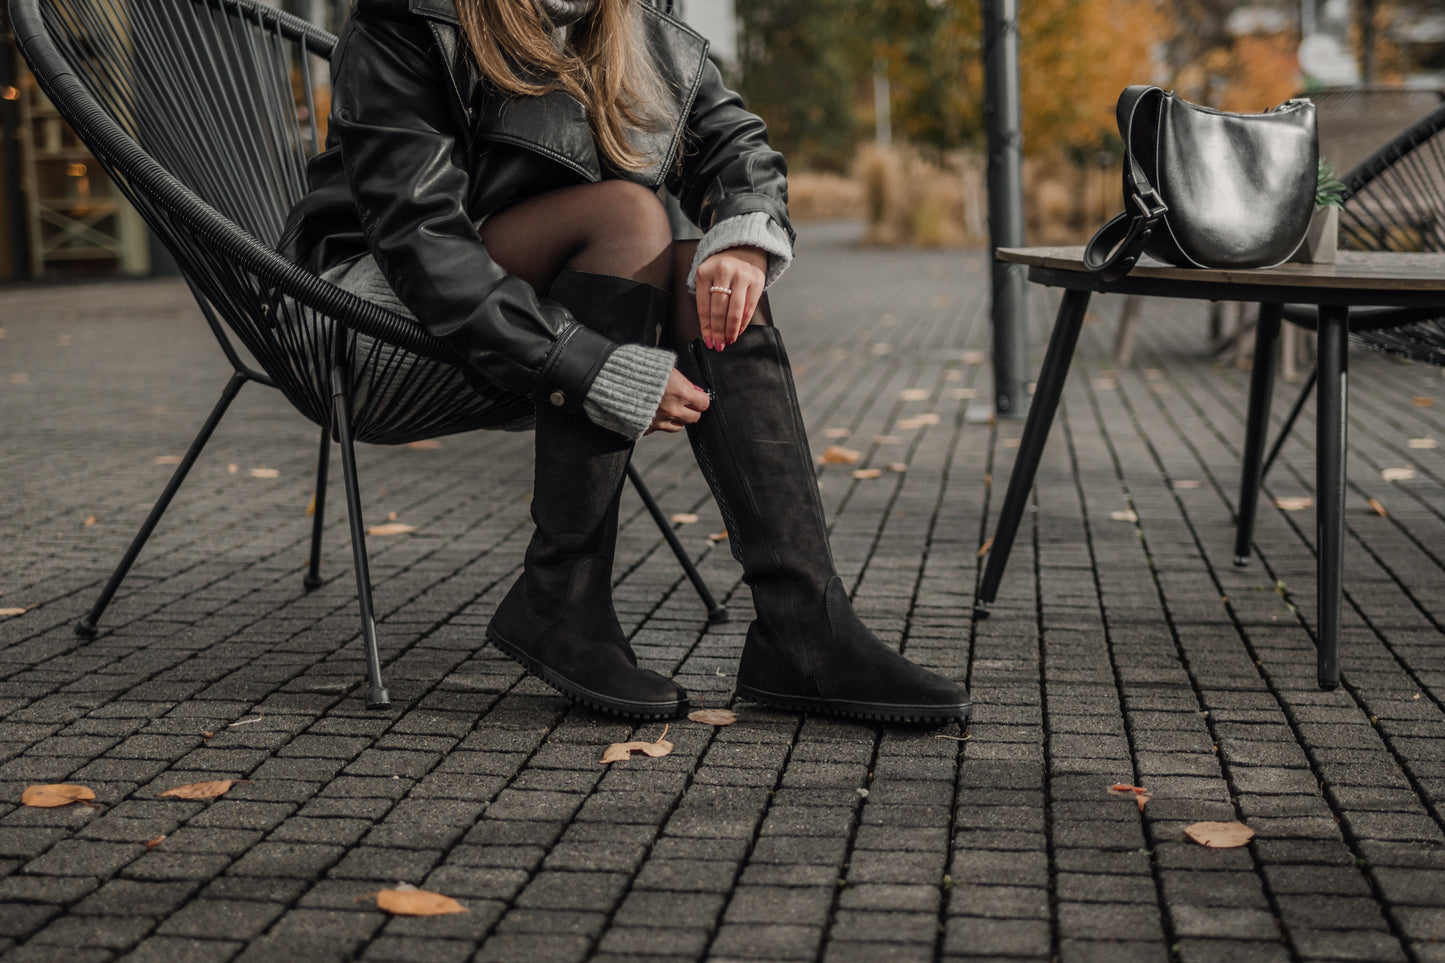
<point x="581" y="694"/>
<point x="864" y="711"/>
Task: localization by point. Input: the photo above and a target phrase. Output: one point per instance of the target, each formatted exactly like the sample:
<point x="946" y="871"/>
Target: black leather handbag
<point x="1205" y="188"/>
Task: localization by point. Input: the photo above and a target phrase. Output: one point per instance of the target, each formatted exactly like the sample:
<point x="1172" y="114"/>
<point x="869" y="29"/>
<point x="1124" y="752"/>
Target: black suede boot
<point x="558" y="620"/>
<point x="807" y="650"/>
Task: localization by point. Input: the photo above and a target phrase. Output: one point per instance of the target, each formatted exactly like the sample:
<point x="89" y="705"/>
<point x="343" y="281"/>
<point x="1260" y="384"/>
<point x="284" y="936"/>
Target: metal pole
<point x="1002" y="113"/>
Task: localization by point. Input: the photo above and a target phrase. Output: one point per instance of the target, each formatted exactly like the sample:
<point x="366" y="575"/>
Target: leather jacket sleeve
<point x="405" y="152"/>
<point x="727" y="167"/>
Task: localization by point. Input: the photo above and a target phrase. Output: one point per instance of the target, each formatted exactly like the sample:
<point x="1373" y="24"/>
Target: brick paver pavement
<point x="1124" y="649"/>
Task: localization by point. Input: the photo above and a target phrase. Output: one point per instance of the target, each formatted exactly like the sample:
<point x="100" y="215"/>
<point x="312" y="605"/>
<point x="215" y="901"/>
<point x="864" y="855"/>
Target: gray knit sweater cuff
<point x="628" y="388"/>
<point x="745" y="230"/>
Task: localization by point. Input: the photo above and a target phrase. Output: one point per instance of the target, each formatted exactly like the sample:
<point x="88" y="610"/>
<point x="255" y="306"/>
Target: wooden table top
<point x="1354" y="271"/>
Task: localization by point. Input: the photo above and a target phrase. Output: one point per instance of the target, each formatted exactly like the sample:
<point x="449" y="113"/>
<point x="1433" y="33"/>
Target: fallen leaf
<point x="391" y="516"/>
<point x="232" y="469"/>
<point x="1398" y="474"/>
<point x="972" y="357"/>
<point x="1423" y="443"/>
<point x="962" y="394"/>
<point x="153" y="843"/>
<point x="683" y="518"/>
<point x="1141" y="795"/>
<point x="1293" y="503"/>
<point x="426" y="444"/>
<point x="391" y="528"/>
<point x="917" y="421"/>
<point x="837" y="432"/>
<point x="1185" y="484"/>
<point x="619" y="751"/>
<point x="15" y="610"/>
<point x="1106" y="384"/>
<point x="203" y="790"/>
<point x="1422" y="401"/>
<point x="897" y="466"/>
<point x="1012" y="442"/>
<point x="713" y="717"/>
<point x="168" y="459"/>
<point x="721" y="536"/>
<point x="311" y="506"/>
<point x="886" y="439"/>
<point x="1219" y="835"/>
<point x="838" y="455"/>
<point x="913" y="394"/>
<point x="983" y="549"/>
<point x="417" y="902"/>
<point x="49" y="797"/>
<point x="89" y="521"/>
<point x="864" y="474"/>
<point x="265" y="473"/>
<point x="1379" y="509"/>
<point x="1124" y="516"/>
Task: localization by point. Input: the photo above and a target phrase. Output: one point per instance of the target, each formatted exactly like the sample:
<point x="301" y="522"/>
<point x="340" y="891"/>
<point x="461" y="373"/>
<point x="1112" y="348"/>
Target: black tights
<point x="612" y="227"/>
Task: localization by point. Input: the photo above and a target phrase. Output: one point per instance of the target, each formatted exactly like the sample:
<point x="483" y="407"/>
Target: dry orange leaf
<point x="203" y="790"/>
<point x="721" y="536"/>
<point x="619" y="751"/>
<point x="265" y="473"/>
<point x="153" y="843"/>
<point x="1293" y="503"/>
<point x="983" y="549"/>
<point x="886" y="439"/>
<point x="16" y="610"/>
<point x="1422" y="401"/>
<point x="713" y="717"/>
<point x="1124" y="516"/>
<point x="311" y="506"/>
<point x="49" y="797"/>
<point x="913" y="394"/>
<point x="1219" y="835"/>
<point x="232" y="468"/>
<point x="972" y="357"/>
<point x="417" y="902"/>
<point x="683" y="518"/>
<point x="168" y="459"/>
<point x="1012" y="442"/>
<point x="918" y="421"/>
<point x="89" y="521"/>
<point x="391" y="528"/>
<point x="426" y="444"/>
<point x="836" y="432"/>
<point x="1425" y="443"/>
<point x="1141" y="795"/>
<point x="1184" y="484"/>
<point x="1398" y="474"/>
<point x="1378" y="508"/>
<point x="864" y="474"/>
<point x="897" y="466"/>
<point x="838" y="455"/>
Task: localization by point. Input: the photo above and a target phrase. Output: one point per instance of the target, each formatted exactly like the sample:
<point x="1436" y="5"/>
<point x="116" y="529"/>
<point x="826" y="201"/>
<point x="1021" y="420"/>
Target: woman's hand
<point x="729" y="286"/>
<point x="682" y="404"/>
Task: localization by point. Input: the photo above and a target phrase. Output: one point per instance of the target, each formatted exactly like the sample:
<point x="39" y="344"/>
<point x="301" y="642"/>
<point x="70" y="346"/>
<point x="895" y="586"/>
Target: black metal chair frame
<point x="346" y="374"/>
<point x="1364" y="225"/>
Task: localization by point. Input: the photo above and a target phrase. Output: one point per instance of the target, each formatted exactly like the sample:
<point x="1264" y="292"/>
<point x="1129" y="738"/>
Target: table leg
<point x="1256" y="428"/>
<point x="1049" y="390"/>
<point x="1330" y="447"/>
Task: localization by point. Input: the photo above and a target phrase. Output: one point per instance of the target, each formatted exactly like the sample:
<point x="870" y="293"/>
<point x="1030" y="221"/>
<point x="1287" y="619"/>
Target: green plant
<point x="1329" y="189"/>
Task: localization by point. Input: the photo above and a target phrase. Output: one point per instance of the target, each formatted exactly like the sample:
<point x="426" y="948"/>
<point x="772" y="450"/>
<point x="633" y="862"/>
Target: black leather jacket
<point x="419" y="152"/>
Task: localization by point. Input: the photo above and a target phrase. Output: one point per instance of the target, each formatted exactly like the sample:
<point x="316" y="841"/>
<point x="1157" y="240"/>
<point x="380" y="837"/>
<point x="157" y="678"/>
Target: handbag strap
<point x="1126" y="234"/>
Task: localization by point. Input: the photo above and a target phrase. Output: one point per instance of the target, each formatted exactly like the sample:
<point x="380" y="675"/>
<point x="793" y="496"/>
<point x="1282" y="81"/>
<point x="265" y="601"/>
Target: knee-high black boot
<point x="558" y="620"/>
<point x="807" y="649"/>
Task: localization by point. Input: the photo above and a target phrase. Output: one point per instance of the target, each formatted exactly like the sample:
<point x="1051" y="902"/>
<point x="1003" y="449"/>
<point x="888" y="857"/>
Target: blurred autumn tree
<point x="807" y="67"/>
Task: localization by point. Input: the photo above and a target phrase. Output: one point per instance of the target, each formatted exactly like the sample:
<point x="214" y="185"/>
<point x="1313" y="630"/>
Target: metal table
<point x="1359" y="278"/>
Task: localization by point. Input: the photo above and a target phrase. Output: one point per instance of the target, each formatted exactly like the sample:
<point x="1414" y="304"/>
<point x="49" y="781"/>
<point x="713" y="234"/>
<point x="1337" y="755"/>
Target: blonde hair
<point x="603" y="66"/>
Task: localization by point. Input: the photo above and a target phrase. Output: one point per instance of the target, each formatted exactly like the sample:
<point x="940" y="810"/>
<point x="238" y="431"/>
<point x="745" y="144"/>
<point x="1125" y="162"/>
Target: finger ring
<point x="719" y="289"/>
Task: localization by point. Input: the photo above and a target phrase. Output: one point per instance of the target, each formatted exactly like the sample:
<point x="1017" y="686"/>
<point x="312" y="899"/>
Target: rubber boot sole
<point x="624" y="708"/>
<point x="865" y="711"/>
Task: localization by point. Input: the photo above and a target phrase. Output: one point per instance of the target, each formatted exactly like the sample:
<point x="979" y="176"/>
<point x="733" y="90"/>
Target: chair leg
<point x="716" y="612"/>
<point x="1031" y="448"/>
<point x="1290" y="419"/>
<point x="376" y="694"/>
<point x="1331" y="428"/>
<point x="88" y="626"/>
<point x="1256" y="428"/>
<point x="318" y="515"/>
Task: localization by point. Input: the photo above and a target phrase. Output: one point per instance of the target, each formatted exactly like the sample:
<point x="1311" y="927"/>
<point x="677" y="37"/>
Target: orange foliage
<point x="1252" y="75"/>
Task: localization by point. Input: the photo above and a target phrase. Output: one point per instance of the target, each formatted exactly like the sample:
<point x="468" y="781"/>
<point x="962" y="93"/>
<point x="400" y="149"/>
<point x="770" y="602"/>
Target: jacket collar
<point x="555" y="125"/>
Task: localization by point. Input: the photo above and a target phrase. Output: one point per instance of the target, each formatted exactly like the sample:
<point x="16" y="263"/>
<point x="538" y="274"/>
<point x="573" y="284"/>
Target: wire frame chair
<point x="202" y="112"/>
<point x="1394" y="201"/>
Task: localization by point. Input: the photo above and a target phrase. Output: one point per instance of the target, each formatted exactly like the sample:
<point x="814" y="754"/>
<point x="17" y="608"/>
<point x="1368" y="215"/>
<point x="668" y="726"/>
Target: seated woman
<point x="493" y="168"/>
